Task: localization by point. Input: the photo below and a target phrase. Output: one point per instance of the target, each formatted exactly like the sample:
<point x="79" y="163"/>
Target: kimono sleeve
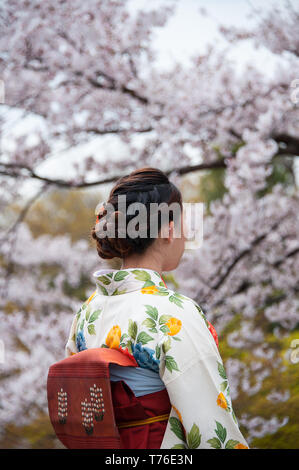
<point x="70" y="347"/>
<point x="202" y="415"/>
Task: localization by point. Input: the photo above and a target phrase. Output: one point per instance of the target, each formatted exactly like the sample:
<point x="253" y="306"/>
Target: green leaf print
<point x="95" y="315"/>
<point x="215" y="443"/>
<point x="117" y="292"/>
<point x="221" y="432"/>
<point x="219" y="441"/>
<point x="177" y="428"/>
<point x="165" y="329"/>
<point x="91" y="329"/>
<point x="180" y="296"/>
<point x="171" y="364"/>
<point x="132" y="329"/>
<point x="123" y="337"/>
<point x="234" y="417"/>
<point x="148" y="284"/>
<point x="129" y="346"/>
<point x="104" y="280"/>
<point x="105" y="292"/>
<point x="104" y="346"/>
<point x="149" y="323"/>
<point x="141" y="275"/>
<point x="158" y="351"/>
<point x="166" y="345"/>
<point x="176" y="301"/>
<point x="202" y="314"/>
<point x="82" y="324"/>
<point x="199" y="309"/>
<point x="153" y="330"/>
<point x="176" y="338"/>
<point x="221" y="370"/>
<point x="143" y="338"/>
<point x="164" y="318"/>
<point x="194" y="437"/>
<point x="231" y="444"/>
<point x="152" y="311"/>
<point x="223" y="386"/>
<point x="88" y="310"/>
<point x="78" y="314"/>
<point x="162" y="291"/>
<point x="120" y="275"/>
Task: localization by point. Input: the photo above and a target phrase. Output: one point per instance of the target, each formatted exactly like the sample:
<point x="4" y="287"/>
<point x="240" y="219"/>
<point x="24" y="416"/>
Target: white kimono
<point x="166" y="332"/>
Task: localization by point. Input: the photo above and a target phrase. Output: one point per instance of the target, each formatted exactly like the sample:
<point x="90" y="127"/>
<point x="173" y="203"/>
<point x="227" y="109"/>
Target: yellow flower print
<point x="149" y="290"/>
<point x="91" y="297"/>
<point x="240" y="446"/>
<point x="174" y="324"/>
<point x="113" y="337"/>
<point x="221" y="401"/>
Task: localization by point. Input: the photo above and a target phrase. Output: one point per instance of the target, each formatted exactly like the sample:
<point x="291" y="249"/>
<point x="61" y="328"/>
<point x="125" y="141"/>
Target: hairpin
<point x="100" y="211"/>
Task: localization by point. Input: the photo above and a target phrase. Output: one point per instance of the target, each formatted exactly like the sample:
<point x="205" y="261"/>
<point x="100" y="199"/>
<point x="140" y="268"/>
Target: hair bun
<point x="147" y="185"/>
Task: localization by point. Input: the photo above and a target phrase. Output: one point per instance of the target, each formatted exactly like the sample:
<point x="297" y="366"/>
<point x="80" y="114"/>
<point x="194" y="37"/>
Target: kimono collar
<point x="122" y="281"/>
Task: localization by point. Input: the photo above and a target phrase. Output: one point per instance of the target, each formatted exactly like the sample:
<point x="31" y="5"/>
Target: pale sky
<point x="188" y="32"/>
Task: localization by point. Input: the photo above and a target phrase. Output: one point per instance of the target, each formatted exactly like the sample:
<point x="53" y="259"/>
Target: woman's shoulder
<point x="171" y="299"/>
<point x="168" y="311"/>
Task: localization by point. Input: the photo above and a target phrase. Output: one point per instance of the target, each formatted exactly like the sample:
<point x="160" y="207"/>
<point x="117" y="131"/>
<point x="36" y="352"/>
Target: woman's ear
<point x="170" y="231"/>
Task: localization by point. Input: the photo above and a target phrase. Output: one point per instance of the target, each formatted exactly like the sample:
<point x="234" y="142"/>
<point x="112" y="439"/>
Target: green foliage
<point x="80" y="291"/>
<point x="281" y="173"/>
<point x="37" y="435"/>
<point x="63" y="211"/>
<point x="211" y="186"/>
<point x="278" y="380"/>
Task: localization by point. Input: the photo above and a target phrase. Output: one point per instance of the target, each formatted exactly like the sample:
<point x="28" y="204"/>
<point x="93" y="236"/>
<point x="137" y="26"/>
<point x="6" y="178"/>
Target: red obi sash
<point x="87" y="411"/>
<point x="154" y="408"/>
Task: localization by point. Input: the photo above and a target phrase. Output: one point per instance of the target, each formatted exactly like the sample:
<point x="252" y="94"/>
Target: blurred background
<point x="206" y="91"/>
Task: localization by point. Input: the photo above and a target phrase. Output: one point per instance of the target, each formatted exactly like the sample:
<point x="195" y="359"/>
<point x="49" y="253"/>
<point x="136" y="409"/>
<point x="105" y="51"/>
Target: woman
<point x="178" y="397"/>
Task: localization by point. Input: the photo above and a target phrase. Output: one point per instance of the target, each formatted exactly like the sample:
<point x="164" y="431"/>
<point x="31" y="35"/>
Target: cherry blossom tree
<point x="85" y="70"/>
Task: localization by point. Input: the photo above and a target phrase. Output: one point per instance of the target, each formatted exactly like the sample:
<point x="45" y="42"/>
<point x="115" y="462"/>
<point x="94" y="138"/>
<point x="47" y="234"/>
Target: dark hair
<point x="145" y="185"/>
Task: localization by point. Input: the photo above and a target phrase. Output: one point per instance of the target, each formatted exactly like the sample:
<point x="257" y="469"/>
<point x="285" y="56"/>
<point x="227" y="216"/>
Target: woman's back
<point x="168" y="335"/>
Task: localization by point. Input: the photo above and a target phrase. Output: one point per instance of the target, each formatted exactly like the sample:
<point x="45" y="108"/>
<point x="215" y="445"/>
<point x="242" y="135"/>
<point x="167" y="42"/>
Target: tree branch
<point x="246" y="284"/>
<point x="113" y="86"/>
<point x="25" y="210"/>
<point x="290" y="144"/>
<point x="239" y="257"/>
<point x="11" y="169"/>
<point x="95" y="130"/>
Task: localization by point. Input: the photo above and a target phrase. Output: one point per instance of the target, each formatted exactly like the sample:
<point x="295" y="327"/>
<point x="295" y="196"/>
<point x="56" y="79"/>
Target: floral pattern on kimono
<point x="133" y="310"/>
